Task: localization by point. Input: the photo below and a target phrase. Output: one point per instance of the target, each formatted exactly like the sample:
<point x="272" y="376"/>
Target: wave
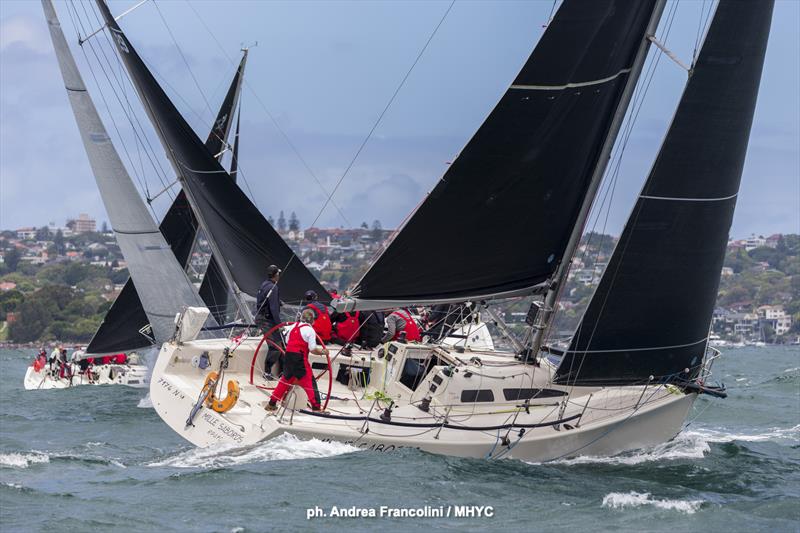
<point x="774" y="434"/>
<point x="22" y="460"/>
<point x="25" y="460"/>
<point x="687" y="445"/>
<point x="284" y="447"/>
<point x="621" y="500"/>
<point x="145" y="403"/>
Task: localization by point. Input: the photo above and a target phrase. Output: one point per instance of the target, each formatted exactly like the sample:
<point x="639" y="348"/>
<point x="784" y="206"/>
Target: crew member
<point x="296" y="369"/>
<point x="371" y="328"/>
<point x="268" y="315"/>
<point x="54" y="356"/>
<point x="322" y="317"/>
<point x="400" y="321"/>
<point x="347" y="327"/>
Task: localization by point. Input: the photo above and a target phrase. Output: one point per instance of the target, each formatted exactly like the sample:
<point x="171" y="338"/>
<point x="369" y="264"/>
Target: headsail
<point x="237" y="230"/>
<point x="120" y="328"/>
<point x="161" y="282"/>
<point x="499" y="220"/>
<point x="651" y="312"/>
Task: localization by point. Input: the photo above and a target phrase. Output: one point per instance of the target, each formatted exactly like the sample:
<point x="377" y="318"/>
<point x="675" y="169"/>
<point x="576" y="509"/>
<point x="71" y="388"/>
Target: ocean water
<point x="99" y="459"/>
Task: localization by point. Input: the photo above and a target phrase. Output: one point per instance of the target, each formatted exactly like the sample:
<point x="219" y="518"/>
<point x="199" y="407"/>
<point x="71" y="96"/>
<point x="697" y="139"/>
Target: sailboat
<point x="161" y="283"/>
<point x="640" y="357"/>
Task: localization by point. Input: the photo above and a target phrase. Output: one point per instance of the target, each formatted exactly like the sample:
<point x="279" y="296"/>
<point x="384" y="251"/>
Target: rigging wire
<point x="385" y="109"/>
<point x="272" y="118"/>
<point x="142" y="184"/>
<point x="185" y="62"/>
<point x="131" y="116"/>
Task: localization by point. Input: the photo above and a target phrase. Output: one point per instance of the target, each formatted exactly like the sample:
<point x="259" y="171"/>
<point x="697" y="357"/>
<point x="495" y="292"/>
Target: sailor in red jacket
<point x="398" y="322"/>
<point x="322" y="317"/>
<point x="347" y="327"/>
<point x="296" y="369"/>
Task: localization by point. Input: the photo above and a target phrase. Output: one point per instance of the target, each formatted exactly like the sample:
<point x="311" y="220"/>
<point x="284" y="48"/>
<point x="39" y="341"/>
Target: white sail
<point x="161" y="282"/>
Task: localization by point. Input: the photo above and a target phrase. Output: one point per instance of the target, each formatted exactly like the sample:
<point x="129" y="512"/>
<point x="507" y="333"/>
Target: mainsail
<point x="161" y="282"/>
<point x="499" y="220"/>
<point x="120" y="329"/>
<point x="243" y="241"/>
<point x="651" y="313"/>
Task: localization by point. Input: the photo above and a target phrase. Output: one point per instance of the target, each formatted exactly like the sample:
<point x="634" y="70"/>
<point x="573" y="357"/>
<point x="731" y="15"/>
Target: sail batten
<point x="657" y="294"/>
<point x="161" y="282"/>
<point x="500" y="218"/>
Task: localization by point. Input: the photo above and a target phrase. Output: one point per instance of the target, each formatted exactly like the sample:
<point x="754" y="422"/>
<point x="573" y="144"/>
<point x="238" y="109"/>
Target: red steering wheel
<point x="266" y="338"/>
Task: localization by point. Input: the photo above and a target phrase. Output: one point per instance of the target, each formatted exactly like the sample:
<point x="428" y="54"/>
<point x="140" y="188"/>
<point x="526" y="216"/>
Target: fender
<point x="220" y="405"/>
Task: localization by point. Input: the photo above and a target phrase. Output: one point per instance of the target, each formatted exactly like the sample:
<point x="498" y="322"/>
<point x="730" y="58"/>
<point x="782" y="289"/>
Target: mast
<point x="546" y="314"/>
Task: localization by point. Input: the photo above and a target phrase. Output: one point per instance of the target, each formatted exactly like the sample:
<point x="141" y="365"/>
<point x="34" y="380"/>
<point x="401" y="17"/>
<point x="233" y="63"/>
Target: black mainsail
<point x="120" y="329"/>
<point x="651" y="313"/>
<point x="242" y="240"/>
<point x="499" y="220"/>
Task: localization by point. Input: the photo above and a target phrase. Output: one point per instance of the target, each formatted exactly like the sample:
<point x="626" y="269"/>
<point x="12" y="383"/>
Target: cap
<point x="272" y="270"/>
<point x="311" y="296"/>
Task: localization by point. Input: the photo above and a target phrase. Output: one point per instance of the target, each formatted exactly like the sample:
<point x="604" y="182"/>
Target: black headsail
<point x="651" y="313"/>
<point x="499" y="220"/>
<point x="120" y="329"/>
<point x="238" y="232"/>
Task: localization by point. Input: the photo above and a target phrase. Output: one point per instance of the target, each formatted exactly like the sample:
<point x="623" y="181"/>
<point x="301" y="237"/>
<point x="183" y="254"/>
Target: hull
<point x="114" y="374"/>
<point x="555" y="424"/>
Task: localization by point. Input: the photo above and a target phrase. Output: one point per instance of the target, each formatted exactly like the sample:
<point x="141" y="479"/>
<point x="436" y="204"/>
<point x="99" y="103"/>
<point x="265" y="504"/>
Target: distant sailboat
<point x="639" y="359"/>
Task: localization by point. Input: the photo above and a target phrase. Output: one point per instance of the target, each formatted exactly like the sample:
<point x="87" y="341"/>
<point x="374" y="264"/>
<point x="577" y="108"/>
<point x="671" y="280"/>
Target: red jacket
<point x="322" y="325"/>
<point x="348" y="329"/>
<point x="411" y="329"/>
<point x="296" y="343"/>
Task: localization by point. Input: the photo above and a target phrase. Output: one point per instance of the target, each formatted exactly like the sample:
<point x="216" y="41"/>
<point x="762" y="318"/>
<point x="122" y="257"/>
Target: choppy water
<point x="97" y="458"/>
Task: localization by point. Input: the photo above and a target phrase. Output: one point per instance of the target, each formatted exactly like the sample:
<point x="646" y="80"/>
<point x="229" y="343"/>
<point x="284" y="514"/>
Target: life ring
<point x="220" y="405"/>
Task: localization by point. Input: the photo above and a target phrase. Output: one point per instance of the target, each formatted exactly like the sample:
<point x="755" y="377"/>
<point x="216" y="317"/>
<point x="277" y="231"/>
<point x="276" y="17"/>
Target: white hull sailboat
<point x="639" y="358"/>
<point x="468" y="403"/>
<point x="132" y="375"/>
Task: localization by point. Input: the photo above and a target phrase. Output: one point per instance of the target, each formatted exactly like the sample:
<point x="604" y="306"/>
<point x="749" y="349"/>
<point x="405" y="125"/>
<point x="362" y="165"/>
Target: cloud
<point x="24" y="31"/>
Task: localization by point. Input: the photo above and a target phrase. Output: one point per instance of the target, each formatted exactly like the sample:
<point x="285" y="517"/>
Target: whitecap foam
<point x="621" y="500"/>
<point x="795" y="369"/>
<point x="775" y="434"/>
<point x="284" y="447"/>
<point x="145" y="403"/>
<point x="22" y="460"/>
<point x="684" y="446"/>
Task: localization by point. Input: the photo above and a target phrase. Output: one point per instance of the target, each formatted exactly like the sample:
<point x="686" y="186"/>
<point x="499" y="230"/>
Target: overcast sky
<point x="324" y="71"/>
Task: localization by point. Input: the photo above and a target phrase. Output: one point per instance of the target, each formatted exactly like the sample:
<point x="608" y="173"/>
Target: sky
<point x="318" y="77"/>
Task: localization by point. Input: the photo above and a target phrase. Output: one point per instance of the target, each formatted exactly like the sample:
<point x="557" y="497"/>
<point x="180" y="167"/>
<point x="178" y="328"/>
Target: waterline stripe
<point x="570" y="85"/>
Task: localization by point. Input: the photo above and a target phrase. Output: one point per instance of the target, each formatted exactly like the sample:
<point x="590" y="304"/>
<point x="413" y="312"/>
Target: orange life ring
<point x="220" y="405"/>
